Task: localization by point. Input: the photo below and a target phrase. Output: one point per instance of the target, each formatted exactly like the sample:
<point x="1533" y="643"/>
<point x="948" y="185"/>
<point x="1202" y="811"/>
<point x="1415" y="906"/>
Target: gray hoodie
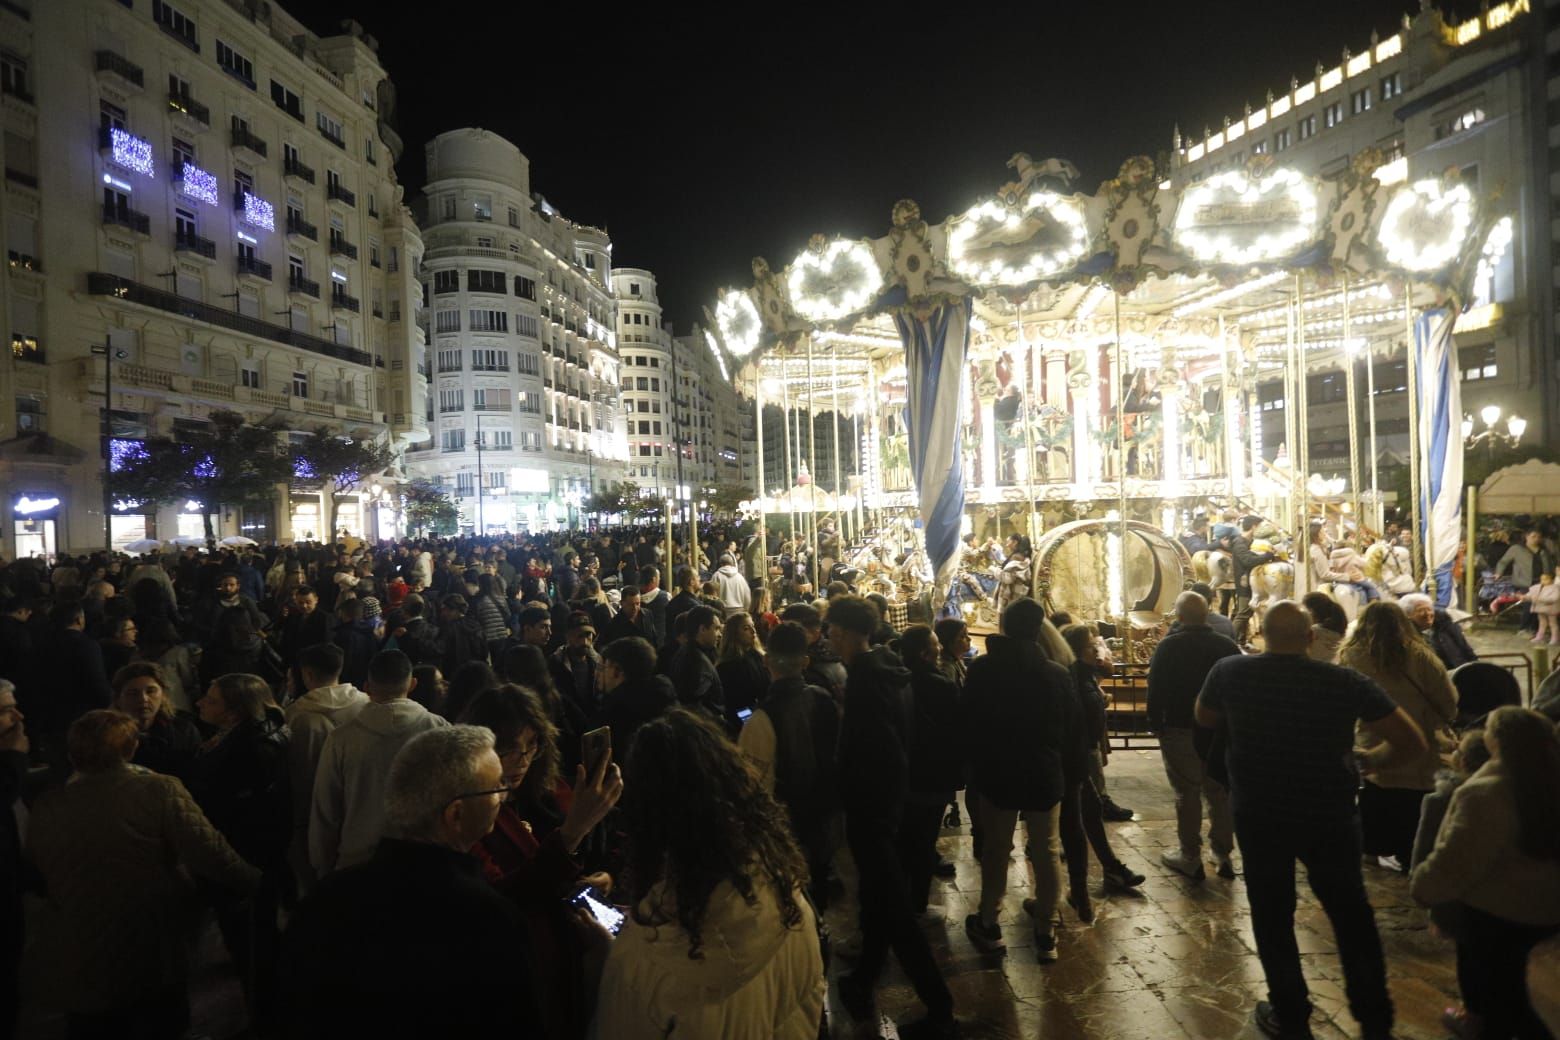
<point x="348" y="810"/>
<point x="733" y="589"/>
<point x="311" y="718"/>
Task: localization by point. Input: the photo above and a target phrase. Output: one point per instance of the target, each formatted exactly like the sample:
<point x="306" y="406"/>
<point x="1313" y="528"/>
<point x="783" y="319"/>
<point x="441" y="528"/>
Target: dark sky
<point x="699" y="146"/>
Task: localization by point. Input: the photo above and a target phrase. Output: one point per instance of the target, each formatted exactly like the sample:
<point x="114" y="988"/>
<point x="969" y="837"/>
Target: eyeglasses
<point x="502" y="788"/>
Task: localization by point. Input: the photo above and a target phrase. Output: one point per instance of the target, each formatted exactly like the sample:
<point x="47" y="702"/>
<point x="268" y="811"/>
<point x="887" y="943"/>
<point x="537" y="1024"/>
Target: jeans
<point x="1192" y="785"/>
<point x="919" y="825"/>
<point x="1331" y="854"/>
<point x="1042" y="847"/>
<point x="885" y="916"/>
<point x="1241" y="619"/>
<point x="1492" y="973"/>
<point x="1081" y="818"/>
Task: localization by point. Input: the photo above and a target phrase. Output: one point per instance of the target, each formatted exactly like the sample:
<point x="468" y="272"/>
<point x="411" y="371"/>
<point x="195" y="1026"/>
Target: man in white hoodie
<point x="312" y="718"/>
<point x="732" y="587"/>
<point x="348" y="808"/>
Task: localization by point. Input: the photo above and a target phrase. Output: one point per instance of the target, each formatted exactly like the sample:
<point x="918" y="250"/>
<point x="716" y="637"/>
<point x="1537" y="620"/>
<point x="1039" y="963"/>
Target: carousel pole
<point x="1029" y="439"/>
<point x="1421" y="536"/>
<point x="812" y="456"/>
<point x="1350" y="392"/>
<point x="1376" y="517"/>
<point x="839" y="477"/>
<point x="1294" y="313"/>
<point x="758" y="429"/>
<point x="1302" y="447"/>
<point x="785" y="414"/>
<point x="1121" y="479"/>
<point x="1231" y="445"/>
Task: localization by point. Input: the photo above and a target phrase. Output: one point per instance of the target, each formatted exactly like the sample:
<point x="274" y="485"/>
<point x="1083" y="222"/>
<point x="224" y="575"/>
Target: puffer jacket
<point x="757" y="980"/>
<point x="113" y="849"/>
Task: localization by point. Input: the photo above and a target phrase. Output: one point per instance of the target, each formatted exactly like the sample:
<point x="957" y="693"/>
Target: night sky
<point x="699" y="146"/>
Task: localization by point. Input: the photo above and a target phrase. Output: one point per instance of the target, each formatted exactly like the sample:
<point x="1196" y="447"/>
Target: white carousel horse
<point x="1391" y="567"/>
<point x="1215" y="567"/>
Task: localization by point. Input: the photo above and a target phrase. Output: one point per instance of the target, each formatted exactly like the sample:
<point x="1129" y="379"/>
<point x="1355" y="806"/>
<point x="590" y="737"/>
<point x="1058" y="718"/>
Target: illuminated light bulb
<point x="1516" y="426"/>
<point x="1467" y="426"/>
<point x="1490" y="413"/>
<point x="740" y="325"/>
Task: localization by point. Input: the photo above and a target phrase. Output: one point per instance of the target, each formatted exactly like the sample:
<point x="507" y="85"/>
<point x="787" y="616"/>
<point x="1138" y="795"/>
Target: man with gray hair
<point x="419" y="905"/>
<point x="1180" y="664"/>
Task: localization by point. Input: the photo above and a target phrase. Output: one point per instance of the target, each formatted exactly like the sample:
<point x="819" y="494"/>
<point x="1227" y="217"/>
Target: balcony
<point x="490" y="368"/>
<point x="297" y="283"/>
<point x="300" y="228"/>
<point x="336" y="193"/>
<point x="23" y="262"/>
<point x="245" y="139"/>
<point x="333" y="139"/>
<point x="100" y="284"/>
<point x="294" y="168"/>
<point x="186" y="109"/>
<point x="446" y="369"/>
<point x="190" y="243"/>
<point x="121" y="68"/>
<point x="125" y="217"/>
<point x="379" y="312"/>
<point x="252" y="267"/>
<point x="342" y="301"/>
<point x="490" y="408"/>
<point x="339" y="246"/>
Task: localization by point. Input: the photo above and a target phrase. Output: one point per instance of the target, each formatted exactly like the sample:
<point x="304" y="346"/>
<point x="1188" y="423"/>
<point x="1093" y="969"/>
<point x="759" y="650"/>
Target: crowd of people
<point x="569" y="800"/>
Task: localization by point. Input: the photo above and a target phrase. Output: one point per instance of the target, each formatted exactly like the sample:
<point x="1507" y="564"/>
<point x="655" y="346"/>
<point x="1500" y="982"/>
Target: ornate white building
<point x="201" y="195"/>
<point x="648" y="377"/>
<point x="523" y="397"/>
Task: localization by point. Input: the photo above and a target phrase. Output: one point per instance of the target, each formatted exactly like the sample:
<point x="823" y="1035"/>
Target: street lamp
<point x="1492" y="438"/>
<point x="110" y="355"/>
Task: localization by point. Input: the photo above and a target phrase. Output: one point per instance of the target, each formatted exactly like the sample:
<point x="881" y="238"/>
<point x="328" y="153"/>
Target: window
<point x="489" y="321"/>
<point x="590" y="261"/>
<point x="236" y="65"/>
<point x="300" y="384"/>
<point x="446" y="321"/>
<point x="1332" y="115"/>
<point x="514" y="217"/>
<point x="490" y="400"/>
<point x="1281" y="140"/>
<point x="529" y="364"/>
<point x="175" y="23"/>
<point x="1260" y="148"/>
<point x="525" y="325"/>
<point x="633" y="288"/>
<point x="1306" y="126"/>
<point x="465" y="483"/>
<point x="1391" y="86"/>
<point x="525" y="288"/>
<point x="287" y="101"/>
<point x="295" y="269"/>
<point x="484" y="242"/>
<point x="642" y="406"/>
<point x="29" y="414"/>
<point x="641" y="383"/>
<point x="529" y="401"/>
<point x="455" y="440"/>
<point x="530" y="441"/>
<point x="449" y="361"/>
<point x="482" y="207"/>
<point x="185" y="229"/>
<point x="445" y="282"/>
<point x="487" y="360"/>
<point x="183" y="152"/>
<point x="249" y="375"/>
<point x="395" y="258"/>
<point x="449" y="207"/>
<point x="368" y="151"/>
<point x="498" y="478"/>
<point x="13" y="76"/>
<point x="373" y="253"/>
<point x="111" y="117"/>
<point x="330" y="128"/>
<point x="1359" y="101"/>
<point x="485" y="281"/>
<point x="1478" y="362"/>
<point x="452" y="400"/>
<point x="1457" y="124"/>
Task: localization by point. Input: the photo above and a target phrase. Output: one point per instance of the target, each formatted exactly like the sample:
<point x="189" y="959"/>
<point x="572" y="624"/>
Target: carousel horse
<point x="1215" y="567"/>
<point x="1272" y="581"/>
<point x="1391" y="567"/>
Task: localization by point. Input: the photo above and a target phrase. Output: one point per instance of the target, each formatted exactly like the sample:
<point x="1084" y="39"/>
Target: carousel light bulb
<point x="1490" y="413"/>
<point x="1516" y="426"/>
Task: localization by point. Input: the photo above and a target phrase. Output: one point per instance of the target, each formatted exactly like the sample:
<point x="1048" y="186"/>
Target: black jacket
<point x="420" y="641"/>
<point x="169" y="746"/>
<point x="1021" y="726"/>
<point x="806" y="721"/>
<point x="697" y="682"/>
<point x="242" y="786"/>
<point x="677" y="606"/>
<point x="449" y="961"/>
<point x="460" y="641"/>
<point x="875" y="739"/>
<point x="632" y="705"/>
<point x="1181" y="663"/>
<point x="620" y="627"/>
<point x="71" y="683"/>
<point x="1091" y="706"/>
<point x="358" y="645"/>
<point x="936" y="760"/>
<point x="743" y="682"/>
<point x="1245" y="560"/>
<point x="1447" y="640"/>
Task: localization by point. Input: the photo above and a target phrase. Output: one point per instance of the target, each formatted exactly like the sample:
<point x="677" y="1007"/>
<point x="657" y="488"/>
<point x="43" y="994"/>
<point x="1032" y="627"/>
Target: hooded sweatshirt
<point x="875" y="738"/>
<point x="733" y="589"/>
<point x="757" y="978"/>
<point x="310" y="719"/>
<point x="348" y="809"/>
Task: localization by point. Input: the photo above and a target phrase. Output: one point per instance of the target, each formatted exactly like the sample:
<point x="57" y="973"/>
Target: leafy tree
<point x="335" y="465"/>
<point x="727" y="499"/>
<point x="228" y="461"/>
<point x="429" y="508"/>
<point x="648" y="510"/>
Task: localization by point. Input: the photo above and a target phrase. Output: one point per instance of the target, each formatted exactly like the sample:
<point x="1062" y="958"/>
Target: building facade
<point x="648" y="377"/>
<point x="719" y="419"/>
<point x="523" y="402"/>
<point x="201" y="213"/>
<point x="1436" y="98"/>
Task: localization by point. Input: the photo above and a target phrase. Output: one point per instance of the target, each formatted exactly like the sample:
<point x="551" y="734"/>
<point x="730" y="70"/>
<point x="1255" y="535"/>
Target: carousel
<point x="1045" y="390"/>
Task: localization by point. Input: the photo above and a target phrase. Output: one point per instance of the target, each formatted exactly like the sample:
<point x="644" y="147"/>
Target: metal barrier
<point x="1520" y="665"/>
<point x="1126" y="716"/>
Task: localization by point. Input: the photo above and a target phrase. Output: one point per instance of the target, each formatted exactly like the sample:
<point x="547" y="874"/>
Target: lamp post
<point x="109" y="352"/>
<point x="1492" y="438"/>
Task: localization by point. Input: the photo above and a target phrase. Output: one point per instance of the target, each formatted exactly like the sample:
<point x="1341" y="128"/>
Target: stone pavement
<point x="1173" y="960"/>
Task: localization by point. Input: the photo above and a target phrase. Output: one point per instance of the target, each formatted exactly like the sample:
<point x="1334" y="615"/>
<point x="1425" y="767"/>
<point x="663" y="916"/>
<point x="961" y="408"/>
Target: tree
<point x="428" y="508"/>
<point x="727" y="499"/>
<point x="227" y="461"/>
<point x="334" y="465"/>
<point x="608" y="500"/>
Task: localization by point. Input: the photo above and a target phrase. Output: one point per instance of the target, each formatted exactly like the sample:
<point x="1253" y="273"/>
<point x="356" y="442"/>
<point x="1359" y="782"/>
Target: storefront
<point x="129" y="522"/>
<point x="258" y="522"/>
<point x="36" y="517"/>
<point x="191" y="520"/>
<point x="307" y="524"/>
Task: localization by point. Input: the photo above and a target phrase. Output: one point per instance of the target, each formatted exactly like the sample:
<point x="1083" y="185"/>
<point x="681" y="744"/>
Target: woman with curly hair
<point x="721" y="940"/>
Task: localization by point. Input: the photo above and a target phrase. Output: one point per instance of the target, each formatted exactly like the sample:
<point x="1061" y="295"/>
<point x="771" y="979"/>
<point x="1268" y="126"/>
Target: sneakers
<point x="858" y="997"/>
<point x="1120" y="875"/>
<point x="1181" y="863"/>
<point x="1226" y="868"/>
<point x="1114" y="813"/>
<point x="986" y="937"/>
<point x="1269" y="1025"/>
<point x="1045" y="946"/>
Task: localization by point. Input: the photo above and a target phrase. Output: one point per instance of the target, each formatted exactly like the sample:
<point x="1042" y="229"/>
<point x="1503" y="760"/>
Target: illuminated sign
<point x="29" y="506"/>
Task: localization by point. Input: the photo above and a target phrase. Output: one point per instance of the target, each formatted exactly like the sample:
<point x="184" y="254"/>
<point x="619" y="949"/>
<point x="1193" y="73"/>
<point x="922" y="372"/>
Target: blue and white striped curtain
<point x="1440" y="447"/>
<point x="935" y="349"/>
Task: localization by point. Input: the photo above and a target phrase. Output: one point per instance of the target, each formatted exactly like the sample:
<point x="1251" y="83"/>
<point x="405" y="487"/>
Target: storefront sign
<point x="25" y="506"/>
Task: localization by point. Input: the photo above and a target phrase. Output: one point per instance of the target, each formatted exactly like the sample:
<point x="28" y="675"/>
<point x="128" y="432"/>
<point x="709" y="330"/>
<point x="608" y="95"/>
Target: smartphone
<point x="592" y="900"/>
<point x="744" y="714"/>
<point x="595" y="745"/>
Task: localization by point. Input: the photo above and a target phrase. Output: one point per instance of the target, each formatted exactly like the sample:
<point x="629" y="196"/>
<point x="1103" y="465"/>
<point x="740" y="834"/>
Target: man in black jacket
<point x="692" y="670"/>
<point x="686" y="599"/>
<point x="417" y="638"/>
<point x="876" y="737"/>
<point x="936" y="765"/>
<point x="460" y="636"/>
<point x="1021" y="733"/>
<point x="1443" y="634"/>
<point x="1246" y="560"/>
<point x="1180" y="665"/>
<point x="633" y="694"/>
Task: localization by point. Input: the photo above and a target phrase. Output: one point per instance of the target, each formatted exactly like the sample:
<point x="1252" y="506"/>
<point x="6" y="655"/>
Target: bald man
<point x="1176" y="674"/>
<point x="1294" y="771"/>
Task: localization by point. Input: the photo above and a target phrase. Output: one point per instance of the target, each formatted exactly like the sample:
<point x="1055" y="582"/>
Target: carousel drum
<point x="1073" y="571"/>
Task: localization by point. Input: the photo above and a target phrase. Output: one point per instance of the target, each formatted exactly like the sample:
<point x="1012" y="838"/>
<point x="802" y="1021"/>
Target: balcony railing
<point x="338" y="193"/>
<point x="490" y="368"/>
<point x="18" y="91"/>
<point x="123" y="216"/>
<point x="339" y="246"/>
<point x="190" y="107"/>
<point x="119" y="65"/>
<point x="342" y="300"/>
<point x="483" y="407"/>
<point x="254" y="267"/>
<point x="243" y="138"/>
<point x="332" y="138"/>
<point x="296" y="283"/>
<point x="23" y="261"/>
<point x="187" y="243"/>
<point x="100" y="284"/>
<point x="302" y="228"/>
<point x="16" y="176"/>
<point x="292" y="167"/>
